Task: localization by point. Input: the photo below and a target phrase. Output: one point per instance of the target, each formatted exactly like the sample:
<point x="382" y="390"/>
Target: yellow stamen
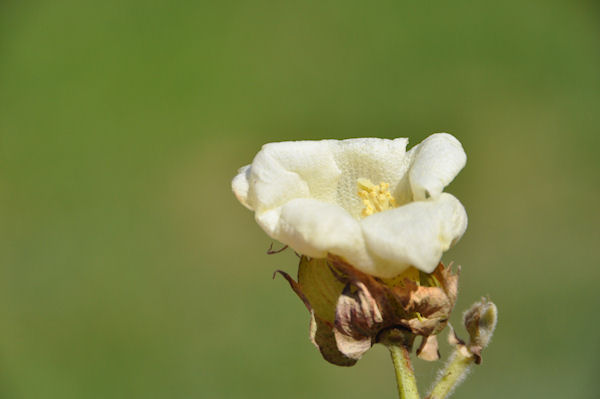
<point x="376" y="198"/>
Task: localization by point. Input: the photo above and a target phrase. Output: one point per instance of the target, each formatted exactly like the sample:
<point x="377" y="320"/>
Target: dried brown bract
<point x="350" y="310"/>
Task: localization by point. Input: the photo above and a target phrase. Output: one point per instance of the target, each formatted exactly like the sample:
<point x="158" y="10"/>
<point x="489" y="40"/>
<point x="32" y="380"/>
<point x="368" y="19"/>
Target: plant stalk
<point x="454" y="373"/>
<point x="405" y="376"/>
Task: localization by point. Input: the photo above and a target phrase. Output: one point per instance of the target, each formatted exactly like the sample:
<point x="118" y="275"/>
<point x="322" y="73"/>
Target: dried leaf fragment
<point x="429" y="349"/>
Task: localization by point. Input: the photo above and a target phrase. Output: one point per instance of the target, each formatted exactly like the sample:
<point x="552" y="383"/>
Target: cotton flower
<point x="366" y="201"/>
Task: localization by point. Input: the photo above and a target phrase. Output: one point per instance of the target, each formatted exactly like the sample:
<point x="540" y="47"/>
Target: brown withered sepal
<point x="350" y="309"/>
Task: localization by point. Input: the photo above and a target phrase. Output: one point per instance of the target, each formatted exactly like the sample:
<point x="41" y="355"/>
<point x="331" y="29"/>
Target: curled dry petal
<point x="429" y="349"/>
<point x="323" y="337"/>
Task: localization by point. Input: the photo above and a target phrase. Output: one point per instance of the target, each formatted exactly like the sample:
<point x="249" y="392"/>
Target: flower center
<point x="375" y="197"/>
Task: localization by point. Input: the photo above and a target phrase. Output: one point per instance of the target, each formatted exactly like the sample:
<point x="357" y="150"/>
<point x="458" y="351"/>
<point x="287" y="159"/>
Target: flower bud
<point x="480" y="321"/>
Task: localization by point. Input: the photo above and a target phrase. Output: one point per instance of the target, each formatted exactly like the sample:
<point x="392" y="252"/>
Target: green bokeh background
<point x="128" y="269"/>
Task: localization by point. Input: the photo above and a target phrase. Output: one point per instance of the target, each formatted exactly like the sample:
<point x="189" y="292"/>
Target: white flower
<point x="366" y="200"/>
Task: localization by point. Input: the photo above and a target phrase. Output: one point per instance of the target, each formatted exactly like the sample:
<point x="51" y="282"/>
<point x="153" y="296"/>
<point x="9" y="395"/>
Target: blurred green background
<point x="128" y="269"/>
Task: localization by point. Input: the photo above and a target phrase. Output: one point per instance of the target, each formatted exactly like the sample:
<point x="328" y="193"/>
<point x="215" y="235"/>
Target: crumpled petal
<point x="315" y="228"/>
<point x="241" y="184"/>
<point x="414" y="234"/>
<point x="284" y="171"/>
<point x="437" y="160"/>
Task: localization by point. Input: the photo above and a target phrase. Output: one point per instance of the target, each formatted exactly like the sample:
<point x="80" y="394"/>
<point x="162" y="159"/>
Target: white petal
<point x="315" y="228"/>
<point x="298" y="169"/>
<point x="240" y="185"/>
<point x="414" y="234"/>
<point x="269" y="221"/>
<point x="437" y="160"/>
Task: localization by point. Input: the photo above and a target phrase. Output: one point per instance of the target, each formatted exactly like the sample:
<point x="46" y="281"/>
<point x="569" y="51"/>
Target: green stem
<point x="405" y="376"/>
<point x="455" y="372"/>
